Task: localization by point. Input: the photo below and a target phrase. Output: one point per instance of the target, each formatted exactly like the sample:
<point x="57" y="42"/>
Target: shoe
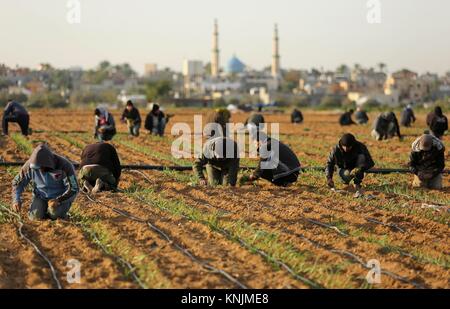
<point x="99" y="185"/>
<point x="359" y="193"/>
<point x="87" y="188"/>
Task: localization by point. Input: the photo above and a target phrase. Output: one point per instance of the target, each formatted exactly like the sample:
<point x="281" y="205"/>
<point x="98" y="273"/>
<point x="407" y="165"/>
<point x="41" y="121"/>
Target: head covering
<point x="347" y="140"/>
<point x="155" y="107"/>
<point x="130" y="103"/>
<point x="426" y="142"/>
<point x="42" y="156"/>
<point x="438" y="111"/>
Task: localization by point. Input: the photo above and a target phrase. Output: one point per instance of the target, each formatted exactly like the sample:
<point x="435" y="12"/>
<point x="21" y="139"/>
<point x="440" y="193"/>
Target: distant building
<point x="150" y="69"/>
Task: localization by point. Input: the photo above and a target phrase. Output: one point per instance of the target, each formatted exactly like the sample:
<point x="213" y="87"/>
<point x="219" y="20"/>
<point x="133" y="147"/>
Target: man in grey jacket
<point x="54" y="184"/>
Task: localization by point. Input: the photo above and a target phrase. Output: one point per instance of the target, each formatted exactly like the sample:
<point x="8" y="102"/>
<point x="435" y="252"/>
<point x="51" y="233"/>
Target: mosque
<point x="236" y="80"/>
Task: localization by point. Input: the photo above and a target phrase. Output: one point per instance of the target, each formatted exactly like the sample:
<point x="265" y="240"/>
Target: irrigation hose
<point x="172" y="242"/>
<point x="145" y="167"/>
<point x="35" y="247"/>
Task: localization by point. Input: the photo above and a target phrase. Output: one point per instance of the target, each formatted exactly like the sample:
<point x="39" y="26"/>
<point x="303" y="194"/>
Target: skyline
<point x="312" y="34"/>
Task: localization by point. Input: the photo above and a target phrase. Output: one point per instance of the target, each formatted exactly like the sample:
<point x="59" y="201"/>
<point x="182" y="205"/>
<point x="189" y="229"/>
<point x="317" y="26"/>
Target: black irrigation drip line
<point x="145" y="167"/>
<point x="173" y="243"/>
<point x="354" y="257"/>
<point x="227" y="234"/>
<point x="122" y="261"/>
<point x="33" y="245"/>
<point x="336" y="251"/>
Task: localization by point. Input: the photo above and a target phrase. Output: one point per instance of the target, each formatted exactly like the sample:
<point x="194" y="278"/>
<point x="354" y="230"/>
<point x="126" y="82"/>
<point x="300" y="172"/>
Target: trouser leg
<point x="345" y="176"/>
<point x="283" y="182"/>
<point x="92" y="173"/>
<point x="62" y="210"/>
<point x="24" y="123"/>
<point x="214" y="175"/>
<point x="6" y="120"/>
<point x="38" y="209"/>
<point x="229" y="177"/>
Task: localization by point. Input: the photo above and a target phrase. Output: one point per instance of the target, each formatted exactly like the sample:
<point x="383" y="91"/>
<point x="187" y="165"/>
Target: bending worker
<point x="353" y="160"/>
<point x="54" y="184"/>
<point x="132" y="117"/>
<point x="386" y="127"/>
<point x="427" y="161"/>
<point x="15" y="112"/>
<point x="100" y="168"/>
<point x="221" y="158"/>
<point x="105" y="126"/>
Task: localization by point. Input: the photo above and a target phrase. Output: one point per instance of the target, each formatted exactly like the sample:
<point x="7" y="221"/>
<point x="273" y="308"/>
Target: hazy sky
<point x="313" y="33"/>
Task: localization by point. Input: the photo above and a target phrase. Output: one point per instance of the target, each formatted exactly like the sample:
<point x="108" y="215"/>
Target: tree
<point x="382" y="67"/>
<point x="343" y="68"/>
<point x="157" y="90"/>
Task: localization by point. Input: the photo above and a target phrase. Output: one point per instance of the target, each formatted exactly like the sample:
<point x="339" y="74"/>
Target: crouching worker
<point x="132" y="118"/>
<point x="105" y="126"/>
<point x="156" y="121"/>
<point x="353" y="160"/>
<point x="427" y="161"/>
<point x="99" y="168"/>
<point x="278" y="163"/>
<point x="296" y="116"/>
<point x="221" y="158"/>
<point x="15" y="112"/>
<point x="386" y="127"/>
<point x="54" y="184"/>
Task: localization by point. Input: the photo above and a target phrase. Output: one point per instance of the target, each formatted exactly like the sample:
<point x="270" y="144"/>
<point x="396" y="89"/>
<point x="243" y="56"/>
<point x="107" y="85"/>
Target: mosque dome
<point x="235" y="66"/>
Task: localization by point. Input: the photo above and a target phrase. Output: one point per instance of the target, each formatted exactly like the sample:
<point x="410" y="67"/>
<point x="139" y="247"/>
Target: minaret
<point x="215" y="51"/>
<point x="276" y="54"/>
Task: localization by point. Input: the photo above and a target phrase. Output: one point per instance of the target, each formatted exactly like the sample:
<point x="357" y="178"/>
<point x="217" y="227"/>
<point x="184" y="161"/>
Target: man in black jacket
<point x="278" y="163"/>
<point x="437" y="122"/>
<point x="15" y="112"/>
<point x="361" y="116"/>
<point x="353" y="160"/>
<point x="296" y="116"/>
<point x="156" y="121"/>
<point x="427" y="161"/>
<point x="221" y="158"/>
<point x="100" y="168"/>
<point x="346" y="118"/>
<point x="408" y="116"/>
<point x="132" y="117"/>
<point x="386" y="126"/>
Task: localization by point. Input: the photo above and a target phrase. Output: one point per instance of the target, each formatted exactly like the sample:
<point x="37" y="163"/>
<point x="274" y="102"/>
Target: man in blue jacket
<point x="15" y="112"/>
<point x="54" y="184"/>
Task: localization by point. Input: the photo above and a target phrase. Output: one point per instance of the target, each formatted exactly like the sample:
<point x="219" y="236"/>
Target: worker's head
<point x="351" y="111"/>
<point x="42" y="158"/>
<point x="347" y="142"/>
<point x="438" y="111"/>
<point x="130" y="105"/>
<point x="97" y="112"/>
<point x="155" y="108"/>
<point x="426" y="142"/>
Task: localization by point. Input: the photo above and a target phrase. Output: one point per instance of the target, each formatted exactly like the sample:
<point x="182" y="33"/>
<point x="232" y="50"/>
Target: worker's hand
<point x="53" y="204"/>
<point x="202" y="182"/>
<point x="252" y="178"/>
<point x="330" y="183"/>
<point x="17" y="206"/>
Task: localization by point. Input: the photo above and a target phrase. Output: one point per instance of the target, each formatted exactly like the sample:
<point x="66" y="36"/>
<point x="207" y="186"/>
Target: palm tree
<point x="382" y="67"/>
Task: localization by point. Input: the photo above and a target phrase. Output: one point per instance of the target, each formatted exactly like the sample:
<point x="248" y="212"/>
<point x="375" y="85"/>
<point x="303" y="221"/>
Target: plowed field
<point x="164" y="231"/>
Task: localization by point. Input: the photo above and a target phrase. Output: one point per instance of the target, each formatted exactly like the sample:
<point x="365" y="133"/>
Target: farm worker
<point x="386" y="126"/>
<point x="352" y="159"/>
<point x="15" y="112"/>
<point x="346" y="118"/>
<point x="225" y="113"/>
<point x="437" y="122"/>
<point x="255" y="120"/>
<point x="105" y="126"/>
<point x="278" y="163"/>
<point x="408" y="116"/>
<point x="100" y="168"/>
<point x="296" y="116"/>
<point x="361" y="116"/>
<point x="132" y="118"/>
<point x="54" y="184"/>
<point x="221" y="157"/>
<point x="156" y="121"/>
<point x="427" y="161"/>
